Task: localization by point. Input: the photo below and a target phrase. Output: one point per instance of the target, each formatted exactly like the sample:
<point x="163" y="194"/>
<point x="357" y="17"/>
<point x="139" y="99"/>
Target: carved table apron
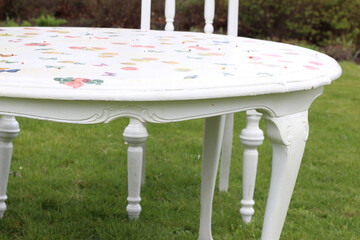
<point x="92" y="75"/>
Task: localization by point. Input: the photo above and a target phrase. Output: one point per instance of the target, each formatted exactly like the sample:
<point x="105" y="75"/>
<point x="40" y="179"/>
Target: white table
<point x="83" y="75"/>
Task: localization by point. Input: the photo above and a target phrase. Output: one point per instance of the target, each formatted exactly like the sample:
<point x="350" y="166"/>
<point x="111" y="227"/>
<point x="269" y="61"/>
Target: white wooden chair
<point x="251" y="137"/>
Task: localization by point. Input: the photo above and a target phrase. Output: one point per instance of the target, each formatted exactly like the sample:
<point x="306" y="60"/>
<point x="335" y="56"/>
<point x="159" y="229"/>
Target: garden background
<point x="70" y="181"/>
<point x="332" y="26"/>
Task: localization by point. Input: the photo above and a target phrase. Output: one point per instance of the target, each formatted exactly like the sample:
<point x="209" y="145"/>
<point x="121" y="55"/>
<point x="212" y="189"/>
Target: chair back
<point x="209" y="14"/>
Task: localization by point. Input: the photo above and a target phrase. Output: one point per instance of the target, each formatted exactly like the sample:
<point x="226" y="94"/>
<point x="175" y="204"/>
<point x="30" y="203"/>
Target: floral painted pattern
<point x="78" y="82"/>
<point x="121" y="59"/>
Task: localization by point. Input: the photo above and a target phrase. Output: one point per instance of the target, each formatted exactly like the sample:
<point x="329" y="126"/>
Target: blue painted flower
<point x="191" y="77"/>
<point x="9" y="70"/>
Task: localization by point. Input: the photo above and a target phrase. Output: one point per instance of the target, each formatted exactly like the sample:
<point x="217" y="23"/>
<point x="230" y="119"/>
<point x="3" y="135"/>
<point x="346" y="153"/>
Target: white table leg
<point x="288" y="135"/>
<point x="9" y="130"/>
<point x="226" y="153"/>
<point x="135" y="134"/>
<point x="213" y="134"/>
<point x="251" y="137"/>
<point x="143" y="160"/>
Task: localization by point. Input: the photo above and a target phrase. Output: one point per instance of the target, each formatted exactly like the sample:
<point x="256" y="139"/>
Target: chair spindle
<point x="145" y="15"/>
<point x="169" y="15"/>
<point x="209" y="14"/>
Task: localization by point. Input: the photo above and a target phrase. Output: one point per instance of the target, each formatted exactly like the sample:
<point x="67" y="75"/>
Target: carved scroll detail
<point x="283" y="129"/>
<point x="112" y="113"/>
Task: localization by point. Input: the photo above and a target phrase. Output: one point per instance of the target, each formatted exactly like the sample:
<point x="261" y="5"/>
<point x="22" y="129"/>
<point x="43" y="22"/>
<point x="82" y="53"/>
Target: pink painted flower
<point x="129" y="68"/>
<point x="84" y="80"/>
<point x="81" y="80"/>
<point x="254" y="57"/>
<point x="38" y="44"/>
<point x="31" y="28"/>
<point x="285" y="61"/>
<point x="74" y="84"/>
<point x="72" y="36"/>
<point x="311" y="67"/>
<point x="150" y="58"/>
<point x="316" y="63"/>
<point x="101" y="65"/>
<point x="200" y="48"/>
<point x="142" y="46"/>
<point x="78" y="82"/>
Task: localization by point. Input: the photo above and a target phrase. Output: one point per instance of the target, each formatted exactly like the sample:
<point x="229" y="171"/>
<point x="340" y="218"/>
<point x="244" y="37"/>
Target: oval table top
<point x="113" y="64"/>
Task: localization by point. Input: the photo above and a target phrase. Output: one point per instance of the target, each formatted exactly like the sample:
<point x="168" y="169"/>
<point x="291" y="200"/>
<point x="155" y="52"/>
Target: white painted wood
<point x="169" y="14"/>
<point x="233" y="11"/>
<point x="9" y="130"/>
<point x="209" y="14"/>
<point x="232" y="67"/>
<point x="135" y="135"/>
<point x="91" y="112"/>
<point x="226" y="153"/>
<point x="251" y="137"/>
<point x="213" y="134"/>
<point x="233" y="16"/>
<point x="28" y="88"/>
<point x="143" y="160"/>
<point x="145" y="15"/>
<point x="272" y="104"/>
<point x="288" y="135"/>
<point x="169" y="18"/>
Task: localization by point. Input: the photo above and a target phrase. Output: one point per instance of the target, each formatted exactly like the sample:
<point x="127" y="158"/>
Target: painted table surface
<point x="133" y="65"/>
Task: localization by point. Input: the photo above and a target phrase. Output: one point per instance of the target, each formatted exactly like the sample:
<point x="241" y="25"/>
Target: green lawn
<point x="70" y="181"/>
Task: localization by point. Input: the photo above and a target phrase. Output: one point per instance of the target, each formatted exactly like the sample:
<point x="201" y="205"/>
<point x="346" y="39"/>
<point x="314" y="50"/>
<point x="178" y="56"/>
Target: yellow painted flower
<point x="170" y="62"/>
<point x="108" y="55"/>
<point x="58" y="31"/>
<point x="210" y="54"/>
<point x="31" y="34"/>
<point x="51" y="52"/>
<point x="66" y="61"/>
<point x="183" y="69"/>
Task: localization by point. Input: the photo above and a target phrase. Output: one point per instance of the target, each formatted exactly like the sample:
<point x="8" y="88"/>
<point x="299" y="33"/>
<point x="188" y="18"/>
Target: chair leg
<point x="213" y="134"/>
<point x="9" y="130"/>
<point x="135" y="134"/>
<point x="226" y="153"/>
<point x="288" y="135"/>
<point x="251" y="137"/>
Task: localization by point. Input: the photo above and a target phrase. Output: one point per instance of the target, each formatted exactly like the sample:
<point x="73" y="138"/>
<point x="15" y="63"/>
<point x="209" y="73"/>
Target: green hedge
<point x="333" y="25"/>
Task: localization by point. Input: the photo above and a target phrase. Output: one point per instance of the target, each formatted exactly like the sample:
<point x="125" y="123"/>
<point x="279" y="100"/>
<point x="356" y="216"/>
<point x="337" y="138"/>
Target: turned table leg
<point x="251" y="137"/>
<point x="135" y="134"/>
<point x="213" y="134"/>
<point x="143" y="145"/>
<point x="9" y="130"/>
<point x="288" y="135"/>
